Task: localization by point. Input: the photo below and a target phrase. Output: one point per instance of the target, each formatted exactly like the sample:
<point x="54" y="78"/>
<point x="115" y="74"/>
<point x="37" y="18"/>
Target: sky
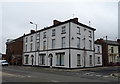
<point x="16" y="16"/>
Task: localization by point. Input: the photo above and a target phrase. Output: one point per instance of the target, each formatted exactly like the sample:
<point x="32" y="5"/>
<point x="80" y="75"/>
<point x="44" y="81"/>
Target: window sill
<point x="59" y="65"/>
<point x="63" y="33"/>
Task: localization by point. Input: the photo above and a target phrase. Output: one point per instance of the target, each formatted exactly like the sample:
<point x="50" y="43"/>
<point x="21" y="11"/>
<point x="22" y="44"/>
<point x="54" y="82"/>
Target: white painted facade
<point x="68" y="56"/>
<point x="98" y="55"/>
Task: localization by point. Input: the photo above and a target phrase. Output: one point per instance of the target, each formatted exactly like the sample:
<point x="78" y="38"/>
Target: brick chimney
<point x="118" y="40"/>
<point x="32" y="31"/>
<point x="75" y="19"/>
<point x="56" y="22"/>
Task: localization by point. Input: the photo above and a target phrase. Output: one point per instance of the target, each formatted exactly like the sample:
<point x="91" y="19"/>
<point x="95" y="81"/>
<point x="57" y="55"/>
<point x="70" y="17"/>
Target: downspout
<point x="94" y="47"/>
<point x="69" y="47"/>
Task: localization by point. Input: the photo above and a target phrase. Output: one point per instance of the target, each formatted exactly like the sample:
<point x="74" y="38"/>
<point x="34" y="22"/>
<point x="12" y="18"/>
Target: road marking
<point x="105" y="76"/>
<point x="13" y="75"/>
<point x="54" y="81"/>
<point x="98" y="75"/>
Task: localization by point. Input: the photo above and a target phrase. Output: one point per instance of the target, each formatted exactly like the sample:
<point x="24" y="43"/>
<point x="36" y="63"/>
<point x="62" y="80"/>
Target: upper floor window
<point x="44" y="45"/>
<point x="26" y="39"/>
<point x="98" y="49"/>
<point x="38" y="44"/>
<point x="53" y="32"/>
<point x="31" y="38"/>
<point x="44" y="34"/>
<point x="38" y="35"/>
<point x="31" y="47"/>
<point x="90" y="34"/>
<point x="78" y="42"/>
<point x="78" y="30"/>
<point x="90" y="44"/>
<point x="53" y="43"/>
<point x="25" y="47"/>
<point x="112" y="51"/>
<point x="63" y="30"/>
<point x="63" y="42"/>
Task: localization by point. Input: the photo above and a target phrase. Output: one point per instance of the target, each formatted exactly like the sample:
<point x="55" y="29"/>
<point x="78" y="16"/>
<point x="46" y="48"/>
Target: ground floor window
<point x="26" y="59"/>
<point x="90" y="58"/>
<point x="60" y="59"/>
<point x="78" y="59"/>
<point x="42" y="59"/>
<point x="98" y="60"/>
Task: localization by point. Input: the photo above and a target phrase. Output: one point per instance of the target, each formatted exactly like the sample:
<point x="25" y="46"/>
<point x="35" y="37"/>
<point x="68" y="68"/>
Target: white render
<point x="69" y="51"/>
<point x="98" y="54"/>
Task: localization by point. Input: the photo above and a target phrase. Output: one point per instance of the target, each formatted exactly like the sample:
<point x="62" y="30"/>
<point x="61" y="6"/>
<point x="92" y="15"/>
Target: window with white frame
<point x="78" y="42"/>
<point x="78" y="60"/>
<point x="31" y="46"/>
<point x="25" y="47"/>
<point x="90" y="59"/>
<point x="38" y="45"/>
<point x="90" y="34"/>
<point x="98" y="47"/>
<point x="78" y="30"/>
<point x="31" y="39"/>
<point x="53" y="43"/>
<point x="90" y="44"/>
<point x="44" y="34"/>
<point x="63" y="42"/>
<point x="112" y="50"/>
<point x="26" y="39"/>
<point x="60" y="59"/>
<point x="63" y="30"/>
<point x="42" y="59"/>
<point x="44" y="45"/>
<point x="53" y="32"/>
<point x="98" y="60"/>
<point x="26" y="59"/>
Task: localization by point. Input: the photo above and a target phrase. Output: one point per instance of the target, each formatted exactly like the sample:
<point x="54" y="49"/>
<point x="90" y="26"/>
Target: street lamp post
<point x="35" y="39"/>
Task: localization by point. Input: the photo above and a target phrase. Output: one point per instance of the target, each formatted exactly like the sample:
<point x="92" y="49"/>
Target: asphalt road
<point x="37" y="74"/>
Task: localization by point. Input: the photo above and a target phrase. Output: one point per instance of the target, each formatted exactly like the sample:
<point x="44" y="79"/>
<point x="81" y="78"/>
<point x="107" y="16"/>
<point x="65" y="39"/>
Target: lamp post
<point x="35" y="39"/>
<point x="34" y="24"/>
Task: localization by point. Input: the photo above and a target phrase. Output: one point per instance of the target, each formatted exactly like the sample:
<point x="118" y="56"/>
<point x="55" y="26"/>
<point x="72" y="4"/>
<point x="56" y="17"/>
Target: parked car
<point x="3" y="63"/>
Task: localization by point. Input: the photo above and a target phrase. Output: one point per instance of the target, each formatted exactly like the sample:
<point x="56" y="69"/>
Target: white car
<point x="3" y="63"/>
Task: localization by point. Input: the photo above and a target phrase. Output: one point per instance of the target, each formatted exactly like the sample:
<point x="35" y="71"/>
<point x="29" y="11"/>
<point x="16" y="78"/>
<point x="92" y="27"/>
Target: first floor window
<point x="31" y="47"/>
<point x="42" y="59"/>
<point x="26" y="59"/>
<point x="78" y="59"/>
<point x="44" y="45"/>
<point x="60" y="59"/>
<point x="53" y="43"/>
<point x="78" y="42"/>
<point x="63" y="42"/>
<point x="25" y="47"/>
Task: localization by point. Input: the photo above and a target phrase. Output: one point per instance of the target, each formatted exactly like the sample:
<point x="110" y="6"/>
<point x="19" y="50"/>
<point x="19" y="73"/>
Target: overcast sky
<point x="17" y="15"/>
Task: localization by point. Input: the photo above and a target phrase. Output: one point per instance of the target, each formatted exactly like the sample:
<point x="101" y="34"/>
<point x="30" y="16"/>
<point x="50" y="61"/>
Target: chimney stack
<point x="118" y="40"/>
<point x="75" y="19"/>
<point x="32" y="31"/>
<point x="56" y="22"/>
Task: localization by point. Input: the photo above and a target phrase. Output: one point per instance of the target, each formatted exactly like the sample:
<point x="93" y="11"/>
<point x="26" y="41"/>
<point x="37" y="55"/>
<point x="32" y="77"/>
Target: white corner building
<point x="68" y="44"/>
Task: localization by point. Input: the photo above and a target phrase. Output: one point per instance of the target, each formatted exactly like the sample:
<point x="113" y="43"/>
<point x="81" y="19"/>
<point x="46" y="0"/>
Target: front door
<point x="32" y="61"/>
<point x="51" y="61"/>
